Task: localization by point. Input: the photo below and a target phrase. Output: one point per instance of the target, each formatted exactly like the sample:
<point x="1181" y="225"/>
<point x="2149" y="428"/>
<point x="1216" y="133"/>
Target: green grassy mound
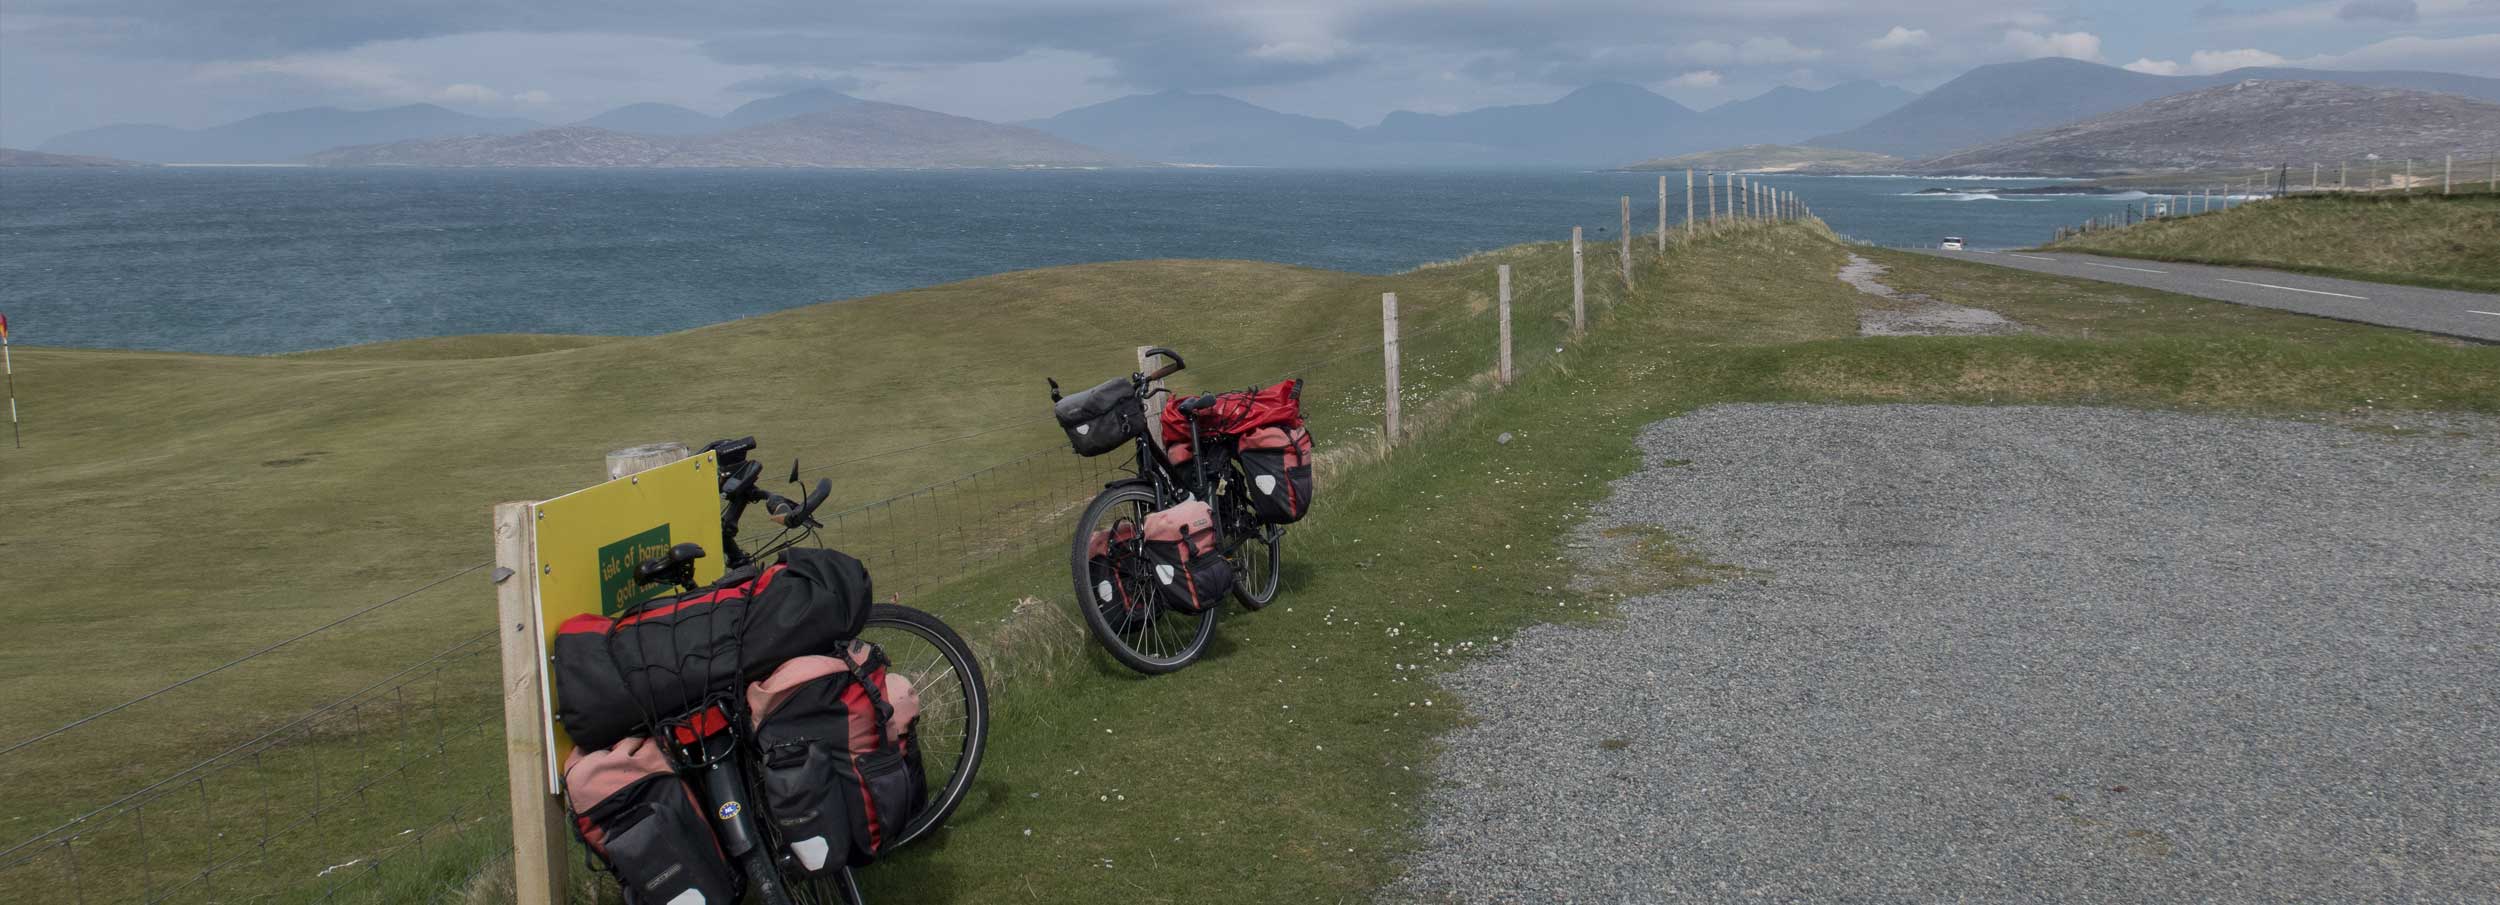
<point x="2447" y="242"/>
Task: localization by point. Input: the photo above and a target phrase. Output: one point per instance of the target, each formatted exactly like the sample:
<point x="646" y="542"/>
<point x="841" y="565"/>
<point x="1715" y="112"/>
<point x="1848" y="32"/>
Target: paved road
<point x="2007" y="655"/>
<point x="2469" y="314"/>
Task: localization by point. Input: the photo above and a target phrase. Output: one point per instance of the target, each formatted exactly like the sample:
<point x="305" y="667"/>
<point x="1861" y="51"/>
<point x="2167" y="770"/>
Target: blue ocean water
<point x="275" y="260"/>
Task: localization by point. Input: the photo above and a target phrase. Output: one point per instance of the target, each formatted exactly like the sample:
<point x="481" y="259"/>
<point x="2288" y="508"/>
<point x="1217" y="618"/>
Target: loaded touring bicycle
<point x="761" y="736"/>
<point x="1217" y="479"/>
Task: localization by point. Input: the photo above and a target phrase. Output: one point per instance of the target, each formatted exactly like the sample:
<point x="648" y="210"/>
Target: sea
<point x="272" y="260"/>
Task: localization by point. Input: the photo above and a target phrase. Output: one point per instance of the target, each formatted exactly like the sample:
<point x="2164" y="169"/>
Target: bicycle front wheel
<point x="954" y="723"/>
<point x="1115" y="588"/>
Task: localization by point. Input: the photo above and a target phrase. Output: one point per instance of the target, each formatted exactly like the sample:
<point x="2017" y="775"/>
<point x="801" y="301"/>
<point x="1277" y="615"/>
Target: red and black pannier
<point x="842" y="774"/>
<point x="1189" y="575"/>
<point x="645" y="824"/>
<point x="1278" y="462"/>
<point x="1114" y="587"/>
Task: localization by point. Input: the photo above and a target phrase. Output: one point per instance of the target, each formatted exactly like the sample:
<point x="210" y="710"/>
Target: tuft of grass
<point x="2420" y="239"/>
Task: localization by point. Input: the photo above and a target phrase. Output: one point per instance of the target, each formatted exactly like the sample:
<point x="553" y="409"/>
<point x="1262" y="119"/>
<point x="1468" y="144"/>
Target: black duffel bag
<point x="675" y="652"/>
<point x="1103" y="418"/>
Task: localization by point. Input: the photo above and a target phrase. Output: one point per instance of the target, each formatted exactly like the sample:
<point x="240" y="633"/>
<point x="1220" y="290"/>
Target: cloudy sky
<point x="70" y="64"/>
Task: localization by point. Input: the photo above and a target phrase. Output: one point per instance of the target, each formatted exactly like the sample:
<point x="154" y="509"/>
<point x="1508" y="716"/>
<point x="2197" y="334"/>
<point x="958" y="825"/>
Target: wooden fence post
<point x="1662" y="213"/>
<point x="1579" y="287"/>
<point x="1145" y="365"/>
<point x="2343" y="174"/>
<point x="1505" y="373"/>
<point x="1688" y="203"/>
<point x="2447" y="174"/>
<point x="1624" y="258"/>
<point x="1713" y="182"/>
<point x="539" y="837"/>
<point x="2408" y="175"/>
<point x="1389" y="364"/>
<point x="648" y="456"/>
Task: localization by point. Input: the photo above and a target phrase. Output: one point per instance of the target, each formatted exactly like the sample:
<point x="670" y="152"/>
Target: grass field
<point x="1284" y="767"/>
<point x="2448" y="242"/>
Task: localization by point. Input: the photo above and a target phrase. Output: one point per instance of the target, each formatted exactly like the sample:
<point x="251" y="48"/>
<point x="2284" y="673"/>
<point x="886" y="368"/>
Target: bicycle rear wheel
<point x="1115" y="588"/>
<point x="953" y="729"/>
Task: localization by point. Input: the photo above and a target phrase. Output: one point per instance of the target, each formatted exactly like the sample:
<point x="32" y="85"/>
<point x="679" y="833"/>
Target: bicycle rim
<point x="1116" y="593"/>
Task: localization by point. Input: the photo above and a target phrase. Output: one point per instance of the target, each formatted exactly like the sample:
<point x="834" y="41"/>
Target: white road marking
<point x="2116" y="267"/>
<point x="2492" y="313"/>
<point x="2295" y="289"/>
<point x="2033" y="257"/>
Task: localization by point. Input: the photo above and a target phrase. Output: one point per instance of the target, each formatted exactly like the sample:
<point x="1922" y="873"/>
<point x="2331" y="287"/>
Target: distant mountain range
<point x="12" y="157"/>
<point x="1604" y="124"/>
<point x="2007" y="99"/>
<point x="2251" y="123"/>
<point x="853" y="133"/>
<point x="1601" y="125"/>
<point x="272" y="137"/>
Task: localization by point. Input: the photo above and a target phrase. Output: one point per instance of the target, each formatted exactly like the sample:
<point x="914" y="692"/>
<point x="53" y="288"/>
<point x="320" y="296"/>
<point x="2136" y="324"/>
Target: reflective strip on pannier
<point x="1101" y="419"/>
<point x="842" y="774"/>
<point x="1278" y="463"/>
<point x="1188" y="574"/>
<point x="645" y="823"/>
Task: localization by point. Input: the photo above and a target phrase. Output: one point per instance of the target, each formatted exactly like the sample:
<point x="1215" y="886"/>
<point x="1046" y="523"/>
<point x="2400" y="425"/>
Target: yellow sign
<point x="590" y="540"/>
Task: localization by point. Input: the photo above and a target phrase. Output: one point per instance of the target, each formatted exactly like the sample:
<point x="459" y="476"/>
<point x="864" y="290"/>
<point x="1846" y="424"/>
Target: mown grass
<point x="1285" y="767"/>
<point x="2421" y="239"/>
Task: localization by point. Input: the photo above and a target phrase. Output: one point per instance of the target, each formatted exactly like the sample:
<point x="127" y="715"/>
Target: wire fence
<point x="2373" y="177"/>
<point x="395" y="790"/>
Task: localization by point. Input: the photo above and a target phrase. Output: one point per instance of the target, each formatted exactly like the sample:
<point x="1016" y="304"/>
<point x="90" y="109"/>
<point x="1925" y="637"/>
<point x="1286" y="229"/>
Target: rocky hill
<point x="859" y="134"/>
<point x="2252" y="123"/>
<point x="2002" y="100"/>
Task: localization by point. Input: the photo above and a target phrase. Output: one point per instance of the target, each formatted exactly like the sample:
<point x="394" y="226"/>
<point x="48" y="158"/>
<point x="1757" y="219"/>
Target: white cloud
<point x="1765" y="51"/>
<point x="1698" y="78"/>
<point x="2081" y="45"/>
<point x="1899" y="38"/>
<point x="2211" y="61"/>
<point x="1751" y="52"/>
<point x="2472" y="54"/>
<point x="2208" y="62"/>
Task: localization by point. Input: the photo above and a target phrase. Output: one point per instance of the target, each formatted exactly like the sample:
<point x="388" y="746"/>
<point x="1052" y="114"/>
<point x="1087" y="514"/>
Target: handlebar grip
<point x="1167" y="370"/>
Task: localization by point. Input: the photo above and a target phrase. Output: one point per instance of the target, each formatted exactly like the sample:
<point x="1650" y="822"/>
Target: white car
<point x="1951" y="243"/>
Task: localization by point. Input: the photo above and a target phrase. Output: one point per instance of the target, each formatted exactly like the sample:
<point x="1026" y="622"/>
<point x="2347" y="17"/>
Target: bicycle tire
<point x="1097" y="621"/>
<point x="765" y="884"/>
<point x="1273" y="538"/>
<point x="976" y="708"/>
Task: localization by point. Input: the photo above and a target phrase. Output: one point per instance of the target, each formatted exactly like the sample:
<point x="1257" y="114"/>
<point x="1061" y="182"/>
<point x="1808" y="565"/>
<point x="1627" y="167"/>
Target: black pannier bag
<point x="676" y="652"/>
<point x="1188" y="574"/>
<point x="842" y="773"/>
<point x="591" y="700"/>
<point x="1103" y="418"/>
<point x="1277" y="461"/>
<point x="644" y="823"/>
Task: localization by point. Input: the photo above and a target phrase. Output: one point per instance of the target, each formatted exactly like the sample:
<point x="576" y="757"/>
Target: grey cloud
<point x="2379" y="10"/>
<point x="790" y="82"/>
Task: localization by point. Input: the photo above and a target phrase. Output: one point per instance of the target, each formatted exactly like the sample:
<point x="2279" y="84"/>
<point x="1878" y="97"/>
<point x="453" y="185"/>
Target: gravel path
<point x="1890" y="312"/>
<point x="2009" y="655"/>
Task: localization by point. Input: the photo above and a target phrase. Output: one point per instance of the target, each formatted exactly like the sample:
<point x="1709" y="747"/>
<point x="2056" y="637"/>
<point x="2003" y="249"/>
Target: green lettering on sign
<point x="616" y="570"/>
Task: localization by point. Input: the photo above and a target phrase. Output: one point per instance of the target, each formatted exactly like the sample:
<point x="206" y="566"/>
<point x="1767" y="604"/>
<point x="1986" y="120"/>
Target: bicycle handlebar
<point x="1168" y="370"/>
